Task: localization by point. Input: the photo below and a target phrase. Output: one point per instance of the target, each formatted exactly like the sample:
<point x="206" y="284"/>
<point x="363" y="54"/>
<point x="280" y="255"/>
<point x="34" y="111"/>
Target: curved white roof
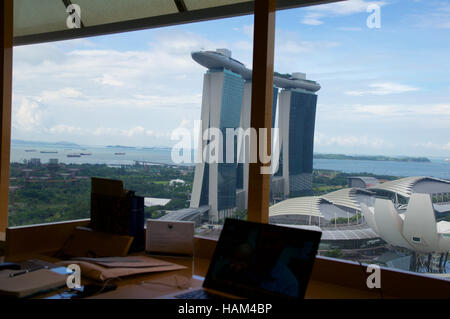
<point x="403" y="186"/>
<point x="339" y="234"/>
<point x="345" y="197"/>
<point x="308" y="205"/>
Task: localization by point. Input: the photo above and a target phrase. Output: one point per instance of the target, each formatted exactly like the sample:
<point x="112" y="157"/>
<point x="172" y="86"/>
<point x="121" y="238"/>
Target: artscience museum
<point x="404" y="221"/>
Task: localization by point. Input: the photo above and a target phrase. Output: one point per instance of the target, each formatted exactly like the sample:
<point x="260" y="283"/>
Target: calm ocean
<point x="438" y="167"/>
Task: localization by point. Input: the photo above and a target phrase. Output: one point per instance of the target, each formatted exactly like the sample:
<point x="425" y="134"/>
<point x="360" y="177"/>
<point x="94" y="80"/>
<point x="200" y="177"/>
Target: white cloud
<point x="167" y="101"/>
<point x="316" y="14"/>
<point x="136" y="95"/>
<point x="294" y="52"/>
<point x="383" y="89"/>
<point x="399" y="110"/>
<point x="349" y="141"/>
<point x="441" y="110"/>
<point x="438" y="18"/>
<point x="131" y="132"/>
<point x="248" y="30"/>
<point x="345" y="7"/>
<point x="244" y="45"/>
<point x="350" y="28"/>
<point x="293" y="47"/>
<point x="108" y="79"/>
<point x="63" y="93"/>
<point x="138" y="130"/>
<point x="379" y="110"/>
<point x="184" y="123"/>
<point x="434" y="146"/>
<point x="312" y="19"/>
<point x="63" y="129"/>
<point x="27" y="116"/>
<point x="102" y="131"/>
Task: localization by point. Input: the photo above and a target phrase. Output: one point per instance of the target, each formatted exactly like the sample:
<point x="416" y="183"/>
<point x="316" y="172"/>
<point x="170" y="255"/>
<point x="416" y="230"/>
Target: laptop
<point x="254" y="260"/>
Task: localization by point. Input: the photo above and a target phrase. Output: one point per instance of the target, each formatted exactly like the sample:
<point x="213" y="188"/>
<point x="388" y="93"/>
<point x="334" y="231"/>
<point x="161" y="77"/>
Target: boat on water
<point x="30" y="150"/>
<point x="85" y="154"/>
<point x="73" y="155"/>
<point x="119" y="153"/>
<point x="49" y="152"/>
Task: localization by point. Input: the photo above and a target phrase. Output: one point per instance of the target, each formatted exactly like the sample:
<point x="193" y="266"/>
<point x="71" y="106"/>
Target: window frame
<point x="402" y="284"/>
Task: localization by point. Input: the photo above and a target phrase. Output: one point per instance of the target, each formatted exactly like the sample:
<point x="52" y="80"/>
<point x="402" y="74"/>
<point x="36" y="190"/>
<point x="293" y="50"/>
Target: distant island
<point x="40" y="143"/>
<point x="120" y="146"/>
<point x="158" y="148"/>
<point x="167" y="148"/>
<point x="372" y="158"/>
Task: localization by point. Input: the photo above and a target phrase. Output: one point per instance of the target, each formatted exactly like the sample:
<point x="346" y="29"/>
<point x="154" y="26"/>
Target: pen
<point x="26" y="271"/>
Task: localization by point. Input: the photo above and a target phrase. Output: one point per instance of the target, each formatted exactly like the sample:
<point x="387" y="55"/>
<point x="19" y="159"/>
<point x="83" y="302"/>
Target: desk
<point x="158" y="284"/>
<point x="330" y="278"/>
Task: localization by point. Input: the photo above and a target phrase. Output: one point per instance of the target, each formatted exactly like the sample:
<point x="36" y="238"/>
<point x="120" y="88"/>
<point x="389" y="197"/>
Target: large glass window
<point x="378" y="126"/>
<point x="360" y="107"/>
<point x="127" y="107"/>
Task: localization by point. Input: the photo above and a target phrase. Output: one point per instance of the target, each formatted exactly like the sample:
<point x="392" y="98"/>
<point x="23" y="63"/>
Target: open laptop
<point x="254" y="260"/>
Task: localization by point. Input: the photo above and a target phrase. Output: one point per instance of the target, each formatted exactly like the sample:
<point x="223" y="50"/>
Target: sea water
<point x="438" y="167"/>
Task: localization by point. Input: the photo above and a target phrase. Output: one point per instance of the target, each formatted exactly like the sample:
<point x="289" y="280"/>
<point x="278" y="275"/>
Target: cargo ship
<point x="73" y="155"/>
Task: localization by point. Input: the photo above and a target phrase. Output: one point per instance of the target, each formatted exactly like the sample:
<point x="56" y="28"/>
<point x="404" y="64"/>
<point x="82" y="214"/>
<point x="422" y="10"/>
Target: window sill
<point x="328" y="272"/>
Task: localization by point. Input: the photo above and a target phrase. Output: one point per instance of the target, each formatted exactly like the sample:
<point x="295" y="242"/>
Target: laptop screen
<point x="261" y="260"/>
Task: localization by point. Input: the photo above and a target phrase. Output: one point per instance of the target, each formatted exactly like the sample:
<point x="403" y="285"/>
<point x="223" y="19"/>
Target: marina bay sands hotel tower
<point x="226" y="104"/>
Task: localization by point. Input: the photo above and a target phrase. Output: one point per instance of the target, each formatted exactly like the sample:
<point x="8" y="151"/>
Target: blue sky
<point x="384" y="91"/>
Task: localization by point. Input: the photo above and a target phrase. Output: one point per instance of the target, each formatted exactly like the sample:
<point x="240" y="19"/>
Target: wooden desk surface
<point x="158" y="284"/>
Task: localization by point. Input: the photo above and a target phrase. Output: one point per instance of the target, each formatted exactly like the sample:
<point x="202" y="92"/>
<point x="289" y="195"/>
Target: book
<point x="137" y="221"/>
<point x="117" y="211"/>
<point x="30" y="283"/>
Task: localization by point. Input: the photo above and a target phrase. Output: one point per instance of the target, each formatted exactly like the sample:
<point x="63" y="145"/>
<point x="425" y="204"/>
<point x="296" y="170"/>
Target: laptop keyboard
<point x="198" y="294"/>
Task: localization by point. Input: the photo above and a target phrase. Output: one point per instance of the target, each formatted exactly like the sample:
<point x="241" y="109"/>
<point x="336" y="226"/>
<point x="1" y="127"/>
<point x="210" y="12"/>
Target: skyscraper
<point x="297" y="112"/>
<point x="215" y="182"/>
<point x="226" y="104"/>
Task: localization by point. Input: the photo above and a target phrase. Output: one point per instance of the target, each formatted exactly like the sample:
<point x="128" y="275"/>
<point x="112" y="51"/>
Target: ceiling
<point x="45" y="20"/>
